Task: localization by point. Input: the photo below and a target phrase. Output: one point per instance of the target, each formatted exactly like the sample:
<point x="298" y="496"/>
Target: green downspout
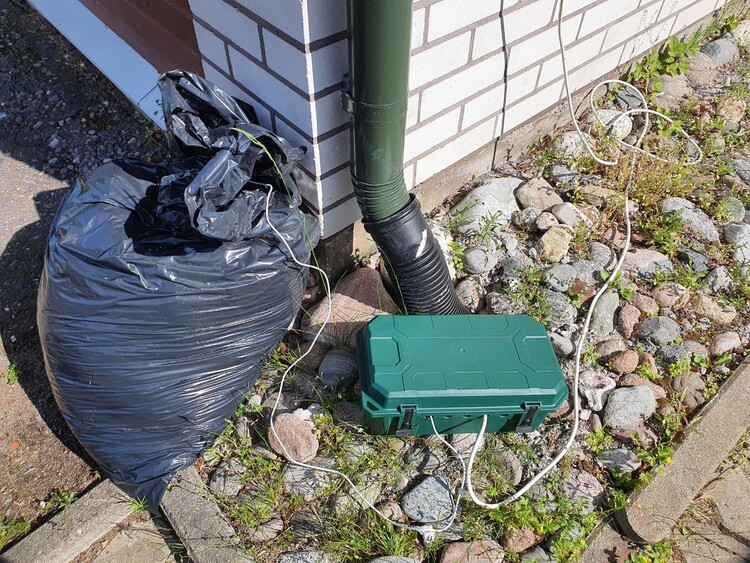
<point x="376" y="98"/>
<point x="379" y="82"/>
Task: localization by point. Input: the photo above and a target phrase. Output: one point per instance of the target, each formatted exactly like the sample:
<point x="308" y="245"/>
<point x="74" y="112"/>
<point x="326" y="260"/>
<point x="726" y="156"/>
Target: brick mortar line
<point x="426" y="46"/>
<point x="274" y="111"/>
<point x="309" y="97"/>
<point x="518" y="73"/>
<point x="305" y="48"/>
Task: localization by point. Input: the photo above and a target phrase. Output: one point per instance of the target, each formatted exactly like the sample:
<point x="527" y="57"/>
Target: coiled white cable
<point x="426" y="528"/>
<point x="646" y="111"/>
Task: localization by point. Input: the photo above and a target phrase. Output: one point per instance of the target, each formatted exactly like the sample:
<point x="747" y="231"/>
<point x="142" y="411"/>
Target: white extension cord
<point x="428" y="528"/>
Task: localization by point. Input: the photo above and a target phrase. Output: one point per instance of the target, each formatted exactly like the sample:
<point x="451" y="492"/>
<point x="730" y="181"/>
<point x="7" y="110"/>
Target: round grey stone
<point x="628" y="407"/>
<point x="339" y="367"/>
<point x="718" y="280"/>
<point x="479" y="261"/>
<point x="601" y="255"/>
<point x="564" y="175"/>
<point x="560" y="277"/>
<point x="560" y="311"/>
<point x="722" y="50"/>
<point x="562" y="346"/>
<point x="659" y="330"/>
<point x="603" y="317"/>
<point x="429" y="501"/>
<point x="733" y="209"/>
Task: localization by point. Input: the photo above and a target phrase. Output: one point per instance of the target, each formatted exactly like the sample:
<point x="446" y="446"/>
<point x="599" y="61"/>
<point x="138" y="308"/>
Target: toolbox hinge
<point x="405" y="429"/>
<point x="529" y="411"/>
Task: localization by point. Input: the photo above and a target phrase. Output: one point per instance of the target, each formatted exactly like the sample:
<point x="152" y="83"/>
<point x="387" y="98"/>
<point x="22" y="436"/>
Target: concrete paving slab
<point x="198" y="522"/>
<point x="706" y="543"/>
<point x="137" y="543"/>
<point x="652" y="512"/>
<point x="731" y="495"/>
<point x="72" y="531"/>
<point x="605" y="545"/>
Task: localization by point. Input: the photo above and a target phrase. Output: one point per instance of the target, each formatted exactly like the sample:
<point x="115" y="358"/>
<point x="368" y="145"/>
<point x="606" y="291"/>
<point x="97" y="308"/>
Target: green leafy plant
<point x="12" y="375"/>
<point x="487" y="225"/>
<point x="62" y="498"/>
<point x="457" y="252"/>
<point x="656" y="553"/>
<point x="671" y="60"/>
<point x="529" y="293"/>
<point x="599" y="442"/>
<point x="11" y="529"/>
<point x="460" y="217"/>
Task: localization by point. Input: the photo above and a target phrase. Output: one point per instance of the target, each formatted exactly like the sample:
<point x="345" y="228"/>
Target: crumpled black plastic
<point x="164" y="288"/>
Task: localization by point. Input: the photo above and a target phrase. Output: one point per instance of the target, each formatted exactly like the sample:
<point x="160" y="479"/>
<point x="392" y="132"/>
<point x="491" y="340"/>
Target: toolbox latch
<point x="525" y="425"/>
<point x="405" y="429"/>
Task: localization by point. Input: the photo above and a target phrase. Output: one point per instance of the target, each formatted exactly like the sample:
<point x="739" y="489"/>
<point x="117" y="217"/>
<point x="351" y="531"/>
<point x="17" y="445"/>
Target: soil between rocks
<point x="59" y="118"/>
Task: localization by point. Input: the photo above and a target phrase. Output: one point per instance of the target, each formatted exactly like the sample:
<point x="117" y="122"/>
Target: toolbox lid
<point x="468" y="363"/>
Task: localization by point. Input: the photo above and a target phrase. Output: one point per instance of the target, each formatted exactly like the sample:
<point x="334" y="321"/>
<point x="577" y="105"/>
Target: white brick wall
<point x="476" y="73"/>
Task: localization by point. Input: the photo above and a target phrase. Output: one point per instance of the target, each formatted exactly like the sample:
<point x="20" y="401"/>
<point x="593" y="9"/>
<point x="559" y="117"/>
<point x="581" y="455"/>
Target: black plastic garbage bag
<point x="164" y="289"/>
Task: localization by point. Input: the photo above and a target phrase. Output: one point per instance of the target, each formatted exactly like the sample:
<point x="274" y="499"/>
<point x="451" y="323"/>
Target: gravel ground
<point x="59" y="119"/>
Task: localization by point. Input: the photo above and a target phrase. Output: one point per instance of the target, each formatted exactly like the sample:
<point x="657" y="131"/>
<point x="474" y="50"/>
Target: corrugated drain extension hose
<point x="376" y="98"/>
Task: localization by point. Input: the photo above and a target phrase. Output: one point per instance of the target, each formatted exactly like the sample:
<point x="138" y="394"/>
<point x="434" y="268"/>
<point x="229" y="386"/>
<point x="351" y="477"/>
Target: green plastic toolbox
<point x="455" y="369"/>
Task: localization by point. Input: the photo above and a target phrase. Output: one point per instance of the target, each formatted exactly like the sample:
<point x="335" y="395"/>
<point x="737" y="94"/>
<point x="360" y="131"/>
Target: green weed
<point x="62" y="498"/>
<point x="457" y="252"/>
<point x="11" y="529"/>
<point x="656" y="553"/>
<point x="138" y="505"/>
<point x="12" y="375"/>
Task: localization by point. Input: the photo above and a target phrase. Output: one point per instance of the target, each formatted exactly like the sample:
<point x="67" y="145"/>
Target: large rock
<point x="731" y="108"/>
<point x="613" y="122"/>
<point x="703" y="71"/>
<point x="227" y="479"/>
<point x="471" y="293"/>
<point x="725" y="342"/>
<point x="305" y="482"/>
<point x="603" y="317"/>
<point x="739" y="236"/>
<point x="297" y="436"/>
<point x="741" y="34"/>
<point x="570" y="145"/>
<point x="695" y="221"/>
<point x="357" y="299"/>
<point x="481" y="551"/>
<point x="621" y="459"/>
<point x="478" y="260"/>
<point x="722" y="50"/>
<point x="628" y="407"/>
<point x="493" y="200"/>
<point x="537" y="193"/>
<point x="554" y="244"/>
<point x="659" y="330"/>
<point x="742" y="168"/>
<point x="671" y="295"/>
<point x="560" y="277"/>
<point x="718" y="280"/>
<point x="429" y="501"/>
<point x="559" y="310"/>
<point x="733" y="210"/>
<point x="339" y="366"/>
<point x="644" y="263"/>
<point x="569" y="214"/>
<point x="583" y="486"/>
<point x="690" y="387"/>
<point x="628" y="320"/>
<point x="719" y="313"/>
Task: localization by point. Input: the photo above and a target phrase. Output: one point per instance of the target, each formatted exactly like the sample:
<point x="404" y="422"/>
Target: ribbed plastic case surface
<point x="455" y="369"/>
